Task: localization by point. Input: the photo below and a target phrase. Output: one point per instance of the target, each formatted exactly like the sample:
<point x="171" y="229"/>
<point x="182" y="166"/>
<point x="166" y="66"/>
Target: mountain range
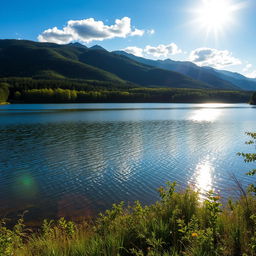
<point x="22" y="58"/>
<point x="214" y="77"/>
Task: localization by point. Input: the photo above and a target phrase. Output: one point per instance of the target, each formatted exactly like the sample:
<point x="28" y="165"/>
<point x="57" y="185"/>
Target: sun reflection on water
<point x="205" y="114"/>
<point x="202" y="178"/>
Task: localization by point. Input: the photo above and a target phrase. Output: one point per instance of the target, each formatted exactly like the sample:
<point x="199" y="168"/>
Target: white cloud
<point x="55" y="35"/>
<point x="151" y="31"/>
<point x="213" y="57"/>
<point x="137" y="32"/>
<point x="247" y="67"/>
<point x="251" y="74"/>
<point x="162" y="50"/>
<point x="134" y="50"/>
<point x="249" y="71"/>
<point x="88" y="30"/>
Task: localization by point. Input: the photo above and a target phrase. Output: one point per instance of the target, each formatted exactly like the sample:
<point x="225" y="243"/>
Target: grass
<point x="178" y="224"/>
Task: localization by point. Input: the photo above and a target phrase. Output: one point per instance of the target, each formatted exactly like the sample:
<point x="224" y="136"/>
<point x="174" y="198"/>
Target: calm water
<point x="76" y="160"/>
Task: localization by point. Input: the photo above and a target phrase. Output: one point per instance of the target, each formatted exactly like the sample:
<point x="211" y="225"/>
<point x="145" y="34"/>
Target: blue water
<point x="76" y="160"/>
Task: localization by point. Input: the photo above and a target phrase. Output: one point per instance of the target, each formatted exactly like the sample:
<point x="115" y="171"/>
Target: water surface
<point x="77" y="159"/>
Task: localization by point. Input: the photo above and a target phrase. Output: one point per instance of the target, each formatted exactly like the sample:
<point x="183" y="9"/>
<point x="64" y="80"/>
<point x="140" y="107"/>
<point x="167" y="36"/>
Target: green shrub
<point x="4" y="92"/>
<point x="253" y="99"/>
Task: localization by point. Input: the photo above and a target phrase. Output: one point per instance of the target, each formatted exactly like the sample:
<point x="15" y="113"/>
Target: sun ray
<point x="215" y="16"/>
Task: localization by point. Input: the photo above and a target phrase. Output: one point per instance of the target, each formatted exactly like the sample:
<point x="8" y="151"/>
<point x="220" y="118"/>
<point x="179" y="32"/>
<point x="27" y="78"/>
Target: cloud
<point x="137" y="32"/>
<point x="88" y="30"/>
<point x="251" y="74"/>
<point x="249" y="71"/>
<point x="134" y="50"/>
<point x="247" y="67"/>
<point x="55" y="35"/>
<point x="160" y="51"/>
<point x="213" y="57"/>
<point x="151" y="31"/>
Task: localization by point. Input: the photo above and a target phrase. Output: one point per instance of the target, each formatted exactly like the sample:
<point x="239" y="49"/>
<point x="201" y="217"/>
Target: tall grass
<point x="178" y="224"/>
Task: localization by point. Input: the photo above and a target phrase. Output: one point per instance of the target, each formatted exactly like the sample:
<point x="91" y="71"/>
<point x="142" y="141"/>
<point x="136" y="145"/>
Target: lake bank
<point x="178" y="224"/>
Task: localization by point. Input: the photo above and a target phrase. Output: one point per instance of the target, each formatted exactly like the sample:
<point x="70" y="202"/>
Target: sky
<point x="216" y="33"/>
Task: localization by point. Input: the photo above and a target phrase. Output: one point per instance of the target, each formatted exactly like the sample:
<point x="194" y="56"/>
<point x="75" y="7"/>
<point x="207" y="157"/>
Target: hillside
<point x="19" y="58"/>
<point x="44" y="60"/>
<point x="218" y="78"/>
<point x="138" y="73"/>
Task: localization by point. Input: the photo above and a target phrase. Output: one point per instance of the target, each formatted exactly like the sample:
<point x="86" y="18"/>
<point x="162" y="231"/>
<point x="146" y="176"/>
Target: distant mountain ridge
<point x="211" y="76"/>
<point x="98" y="47"/>
<point x="22" y="58"/>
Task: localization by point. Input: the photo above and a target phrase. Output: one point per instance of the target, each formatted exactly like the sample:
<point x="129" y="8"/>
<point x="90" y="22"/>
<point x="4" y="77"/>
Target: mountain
<point x="138" y="73"/>
<point x="237" y="79"/>
<point x="217" y="78"/>
<point x="98" y="47"/>
<point x="78" y="45"/>
<point x="20" y="58"/>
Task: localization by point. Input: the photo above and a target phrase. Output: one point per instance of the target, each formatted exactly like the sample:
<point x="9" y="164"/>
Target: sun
<point x="214" y="16"/>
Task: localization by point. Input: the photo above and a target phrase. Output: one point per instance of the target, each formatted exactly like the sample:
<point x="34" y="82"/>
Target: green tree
<point x="250" y="158"/>
<point x="253" y="99"/>
<point x="4" y="92"/>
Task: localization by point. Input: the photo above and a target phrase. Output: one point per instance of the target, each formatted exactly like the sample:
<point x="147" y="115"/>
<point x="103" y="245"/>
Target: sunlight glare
<point x="216" y="15"/>
<point x="202" y="179"/>
<point x="205" y="115"/>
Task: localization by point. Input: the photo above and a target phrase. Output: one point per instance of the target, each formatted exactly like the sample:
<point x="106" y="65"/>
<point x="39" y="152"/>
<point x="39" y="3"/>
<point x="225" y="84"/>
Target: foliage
<point x="178" y="224"/>
<point x="4" y="92"/>
<point x="253" y="99"/>
<point x="250" y="158"/>
<point x="75" y="90"/>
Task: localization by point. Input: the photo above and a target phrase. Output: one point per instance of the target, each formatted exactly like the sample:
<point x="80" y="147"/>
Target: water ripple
<point x="79" y="163"/>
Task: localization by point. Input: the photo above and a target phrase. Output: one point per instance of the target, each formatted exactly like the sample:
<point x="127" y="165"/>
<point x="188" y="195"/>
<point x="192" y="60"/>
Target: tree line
<point x="4" y="92"/>
<point x="30" y="90"/>
<point x="49" y="95"/>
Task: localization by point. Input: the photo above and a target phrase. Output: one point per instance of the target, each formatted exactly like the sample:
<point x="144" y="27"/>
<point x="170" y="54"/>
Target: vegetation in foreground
<point x="178" y="224"/>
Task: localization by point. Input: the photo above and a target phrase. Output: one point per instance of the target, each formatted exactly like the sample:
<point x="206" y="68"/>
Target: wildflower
<point x="194" y="234"/>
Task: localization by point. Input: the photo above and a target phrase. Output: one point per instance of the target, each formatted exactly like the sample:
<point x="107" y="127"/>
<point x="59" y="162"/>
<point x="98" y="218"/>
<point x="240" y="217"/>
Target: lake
<point x="76" y="160"/>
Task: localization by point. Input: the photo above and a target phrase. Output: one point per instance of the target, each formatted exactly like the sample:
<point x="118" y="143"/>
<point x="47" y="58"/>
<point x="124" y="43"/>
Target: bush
<point x="4" y="92"/>
<point x="253" y="99"/>
<point x="178" y="224"/>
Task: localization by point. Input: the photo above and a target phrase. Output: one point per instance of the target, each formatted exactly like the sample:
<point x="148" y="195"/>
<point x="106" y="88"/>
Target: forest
<point x="28" y="90"/>
<point x="4" y="92"/>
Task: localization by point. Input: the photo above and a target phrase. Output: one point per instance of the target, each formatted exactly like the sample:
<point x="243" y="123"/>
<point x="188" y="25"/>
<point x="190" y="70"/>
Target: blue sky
<point x="143" y="25"/>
